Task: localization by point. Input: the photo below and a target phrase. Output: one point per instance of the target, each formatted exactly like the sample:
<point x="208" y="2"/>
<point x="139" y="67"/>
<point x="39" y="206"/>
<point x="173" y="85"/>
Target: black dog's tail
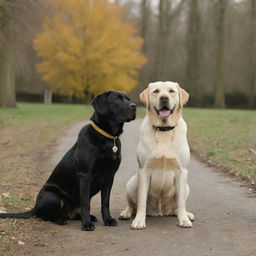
<point x="18" y="215"/>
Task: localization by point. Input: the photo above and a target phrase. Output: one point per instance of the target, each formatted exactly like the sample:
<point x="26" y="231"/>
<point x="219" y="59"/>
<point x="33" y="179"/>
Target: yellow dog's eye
<point x="171" y="91"/>
<point x="156" y="91"/>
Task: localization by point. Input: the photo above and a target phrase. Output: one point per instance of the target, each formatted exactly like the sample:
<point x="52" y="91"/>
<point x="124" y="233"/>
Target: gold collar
<point x="102" y="132"/>
<point x="99" y="130"/>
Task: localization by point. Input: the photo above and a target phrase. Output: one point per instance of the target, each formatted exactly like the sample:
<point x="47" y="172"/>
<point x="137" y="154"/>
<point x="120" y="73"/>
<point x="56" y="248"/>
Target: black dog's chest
<point x="106" y="165"/>
<point x="107" y="161"/>
<point x="103" y="171"/>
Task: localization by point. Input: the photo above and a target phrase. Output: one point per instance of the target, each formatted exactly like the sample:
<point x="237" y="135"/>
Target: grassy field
<point x="227" y="138"/>
<point x="30" y="113"/>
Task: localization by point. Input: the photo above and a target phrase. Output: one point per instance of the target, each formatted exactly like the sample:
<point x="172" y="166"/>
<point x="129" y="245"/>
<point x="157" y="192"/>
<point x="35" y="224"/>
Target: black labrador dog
<point x="87" y="168"/>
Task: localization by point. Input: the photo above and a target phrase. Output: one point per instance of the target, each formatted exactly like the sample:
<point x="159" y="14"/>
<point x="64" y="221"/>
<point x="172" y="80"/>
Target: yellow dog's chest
<point x="162" y="176"/>
<point x="162" y="183"/>
<point x="163" y="146"/>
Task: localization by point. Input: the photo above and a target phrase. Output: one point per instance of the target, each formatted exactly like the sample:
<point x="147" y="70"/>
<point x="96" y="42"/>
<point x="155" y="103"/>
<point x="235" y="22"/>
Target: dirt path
<point x="225" y="212"/>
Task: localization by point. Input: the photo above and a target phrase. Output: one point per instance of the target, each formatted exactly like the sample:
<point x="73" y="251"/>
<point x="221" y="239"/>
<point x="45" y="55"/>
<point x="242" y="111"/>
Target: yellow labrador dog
<point x="160" y="188"/>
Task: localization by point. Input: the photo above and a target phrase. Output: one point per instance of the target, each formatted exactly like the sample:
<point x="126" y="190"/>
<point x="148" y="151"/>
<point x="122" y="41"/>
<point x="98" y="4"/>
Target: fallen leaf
<point x="252" y="151"/>
<point x="6" y="195"/>
<point x="3" y="210"/>
<point x="21" y="243"/>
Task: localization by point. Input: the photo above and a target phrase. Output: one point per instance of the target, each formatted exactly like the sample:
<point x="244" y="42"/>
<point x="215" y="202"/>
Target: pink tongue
<point x="164" y="113"/>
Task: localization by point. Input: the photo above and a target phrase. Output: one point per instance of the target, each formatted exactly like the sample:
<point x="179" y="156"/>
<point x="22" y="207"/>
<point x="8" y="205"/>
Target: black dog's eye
<point x="156" y="91"/>
<point x="172" y="91"/>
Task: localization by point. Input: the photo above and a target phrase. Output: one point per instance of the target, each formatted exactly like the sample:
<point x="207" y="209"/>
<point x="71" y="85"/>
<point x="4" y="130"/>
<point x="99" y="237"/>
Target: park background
<point x="55" y="56"/>
<point x="73" y="50"/>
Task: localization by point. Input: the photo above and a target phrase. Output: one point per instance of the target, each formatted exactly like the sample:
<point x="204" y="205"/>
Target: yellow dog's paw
<point x="184" y="220"/>
<point x="138" y="223"/>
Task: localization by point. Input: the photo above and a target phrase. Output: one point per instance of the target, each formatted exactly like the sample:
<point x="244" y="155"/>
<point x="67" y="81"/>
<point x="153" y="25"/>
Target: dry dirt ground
<point x="225" y="216"/>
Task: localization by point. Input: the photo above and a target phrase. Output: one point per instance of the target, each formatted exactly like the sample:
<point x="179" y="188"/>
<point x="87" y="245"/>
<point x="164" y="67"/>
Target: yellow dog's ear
<point x="184" y="96"/>
<point x="144" y="97"/>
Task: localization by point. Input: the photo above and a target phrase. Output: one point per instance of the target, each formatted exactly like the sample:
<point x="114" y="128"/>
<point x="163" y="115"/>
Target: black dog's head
<point x="114" y="105"/>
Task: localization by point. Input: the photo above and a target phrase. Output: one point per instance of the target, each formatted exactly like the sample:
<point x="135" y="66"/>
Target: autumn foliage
<point x="86" y="48"/>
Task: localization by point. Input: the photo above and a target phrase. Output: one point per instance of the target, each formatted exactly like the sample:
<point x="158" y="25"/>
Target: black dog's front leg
<point x="105" y="195"/>
<point x="85" y="187"/>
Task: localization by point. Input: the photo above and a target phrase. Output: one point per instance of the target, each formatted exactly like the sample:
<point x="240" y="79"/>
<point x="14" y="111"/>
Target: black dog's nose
<point x="164" y="98"/>
<point x="132" y="105"/>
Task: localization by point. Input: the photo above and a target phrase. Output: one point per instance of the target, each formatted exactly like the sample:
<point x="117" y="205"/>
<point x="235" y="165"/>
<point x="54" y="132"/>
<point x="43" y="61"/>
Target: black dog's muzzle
<point x="132" y="107"/>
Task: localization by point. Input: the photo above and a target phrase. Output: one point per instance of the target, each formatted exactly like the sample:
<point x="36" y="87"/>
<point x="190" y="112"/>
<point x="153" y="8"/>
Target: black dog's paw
<point x="93" y="218"/>
<point x="110" y="222"/>
<point x="89" y="226"/>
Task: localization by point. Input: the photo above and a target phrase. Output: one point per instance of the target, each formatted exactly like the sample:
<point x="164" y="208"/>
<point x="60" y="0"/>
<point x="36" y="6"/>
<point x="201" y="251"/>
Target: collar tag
<point x="114" y="148"/>
<point x="102" y="132"/>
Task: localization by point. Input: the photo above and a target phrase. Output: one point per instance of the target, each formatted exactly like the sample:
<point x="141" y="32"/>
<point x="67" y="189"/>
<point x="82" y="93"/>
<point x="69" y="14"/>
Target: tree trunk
<point x="144" y="23"/>
<point x="144" y="10"/>
<point x="47" y="96"/>
<point x="7" y="79"/>
<point x="144" y="71"/>
<point x="219" y="99"/>
<point x="163" y="29"/>
<point x="252" y="60"/>
<point x="193" y="51"/>
<point x="7" y="72"/>
<point x="165" y="18"/>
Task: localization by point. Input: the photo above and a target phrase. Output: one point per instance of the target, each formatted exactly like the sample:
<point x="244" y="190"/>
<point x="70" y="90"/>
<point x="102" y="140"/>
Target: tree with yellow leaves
<point x="87" y="48"/>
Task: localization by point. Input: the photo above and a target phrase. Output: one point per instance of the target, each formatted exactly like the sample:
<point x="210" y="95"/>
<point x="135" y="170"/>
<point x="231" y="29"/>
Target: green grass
<point x="15" y="201"/>
<point x="27" y="113"/>
<point x="226" y="137"/>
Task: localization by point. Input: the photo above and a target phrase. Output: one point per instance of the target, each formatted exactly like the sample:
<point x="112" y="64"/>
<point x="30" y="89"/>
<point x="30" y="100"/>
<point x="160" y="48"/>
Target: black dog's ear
<point x="99" y="103"/>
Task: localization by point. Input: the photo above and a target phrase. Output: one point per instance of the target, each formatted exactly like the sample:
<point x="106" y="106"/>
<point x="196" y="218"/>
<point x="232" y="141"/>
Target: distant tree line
<point x="208" y="46"/>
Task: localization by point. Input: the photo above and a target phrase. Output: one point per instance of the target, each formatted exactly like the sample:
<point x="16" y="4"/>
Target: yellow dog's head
<point x="164" y="101"/>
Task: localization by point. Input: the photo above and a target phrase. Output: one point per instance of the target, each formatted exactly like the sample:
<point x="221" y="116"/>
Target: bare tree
<point x="7" y="80"/>
<point x="145" y="22"/>
<point x="144" y="13"/>
<point x="144" y="8"/>
<point x="219" y="94"/>
<point x="167" y="13"/>
<point x="19" y="21"/>
<point x="252" y="57"/>
<point x="194" y="44"/>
